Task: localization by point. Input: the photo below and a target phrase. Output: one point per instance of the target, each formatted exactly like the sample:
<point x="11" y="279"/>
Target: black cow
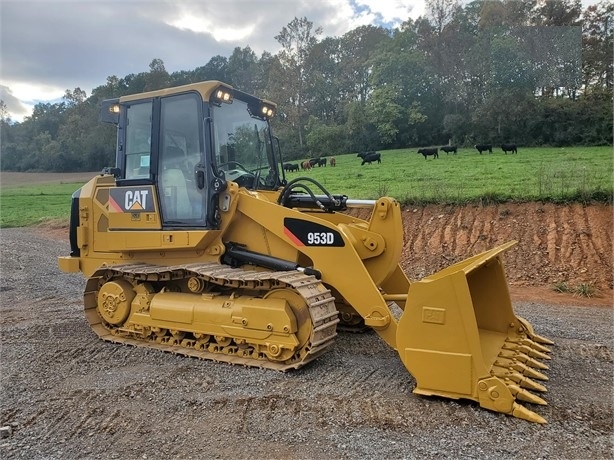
<point x="509" y="148"/>
<point x="449" y="148"/>
<point x="370" y="157"/>
<point x="313" y="162"/>
<point x="484" y="147"/>
<point x="322" y="162"/>
<point x="429" y="151"/>
<point x="291" y="167"/>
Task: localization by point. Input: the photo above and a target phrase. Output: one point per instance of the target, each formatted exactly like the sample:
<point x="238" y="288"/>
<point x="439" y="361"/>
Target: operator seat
<point x="176" y="203"/>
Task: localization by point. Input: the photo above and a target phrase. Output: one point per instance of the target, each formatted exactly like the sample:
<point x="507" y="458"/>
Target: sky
<point x="50" y="46"/>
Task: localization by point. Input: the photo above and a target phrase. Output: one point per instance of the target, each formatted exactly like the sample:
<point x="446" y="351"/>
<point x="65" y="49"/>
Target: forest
<point x="529" y="72"/>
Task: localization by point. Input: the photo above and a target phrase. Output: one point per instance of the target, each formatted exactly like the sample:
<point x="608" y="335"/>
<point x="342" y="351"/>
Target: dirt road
<point x="65" y="394"/>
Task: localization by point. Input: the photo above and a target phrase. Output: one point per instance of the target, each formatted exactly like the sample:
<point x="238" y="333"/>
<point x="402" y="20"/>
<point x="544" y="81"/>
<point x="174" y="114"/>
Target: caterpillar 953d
<point x="196" y="243"/>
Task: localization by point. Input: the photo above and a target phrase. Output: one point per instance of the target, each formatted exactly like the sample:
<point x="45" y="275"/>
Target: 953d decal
<point x="304" y="233"/>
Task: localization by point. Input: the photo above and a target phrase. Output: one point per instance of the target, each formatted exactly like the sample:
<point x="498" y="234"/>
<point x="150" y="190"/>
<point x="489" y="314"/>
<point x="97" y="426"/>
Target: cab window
<point x="138" y="140"/>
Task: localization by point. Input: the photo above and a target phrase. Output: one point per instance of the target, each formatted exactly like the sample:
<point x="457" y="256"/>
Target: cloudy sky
<point x="49" y="46"/>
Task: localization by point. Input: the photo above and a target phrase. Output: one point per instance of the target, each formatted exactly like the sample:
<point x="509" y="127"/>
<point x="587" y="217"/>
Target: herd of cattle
<point x="481" y="148"/>
<point x="372" y="156"/>
<point x="308" y="164"/>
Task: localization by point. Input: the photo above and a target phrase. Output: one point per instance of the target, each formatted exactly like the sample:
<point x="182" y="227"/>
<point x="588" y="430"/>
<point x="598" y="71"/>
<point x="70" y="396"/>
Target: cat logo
<point x="135" y="200"/>
<point x="131" y="199"/>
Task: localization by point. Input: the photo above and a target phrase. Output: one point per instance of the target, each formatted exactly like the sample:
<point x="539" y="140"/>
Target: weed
<point x="586" y="290"/>
<point x="382" y="189"/>
<point x="562" y="286"/>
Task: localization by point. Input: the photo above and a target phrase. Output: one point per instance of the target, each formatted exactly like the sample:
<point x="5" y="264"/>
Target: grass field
<point x="32" y="198"/>
<point x="534" y="174"/>
<point x="552" y="174"/>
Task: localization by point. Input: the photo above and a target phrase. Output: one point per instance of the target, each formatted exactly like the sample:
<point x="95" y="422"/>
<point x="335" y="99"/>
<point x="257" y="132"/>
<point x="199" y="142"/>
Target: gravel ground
<point x="66" y="394"/>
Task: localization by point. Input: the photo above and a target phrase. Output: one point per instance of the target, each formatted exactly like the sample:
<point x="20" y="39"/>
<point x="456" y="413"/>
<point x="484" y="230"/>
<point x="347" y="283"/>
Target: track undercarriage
<point x="276" y="320"/>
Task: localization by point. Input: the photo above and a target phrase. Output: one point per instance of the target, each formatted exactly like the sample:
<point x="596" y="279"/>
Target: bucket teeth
<point x="526" y="414"/>
<point x="519" y="356"/>
<point x="520" y="367"/>
<point x="525" y="395"/>
<point x="531" y="344"/>
<point x="521" y="380"/>
<point x="528" y="328"/>
<point x="525" y="349"/>
<point x="540" y="339"/>
<point x="502" y="392"/>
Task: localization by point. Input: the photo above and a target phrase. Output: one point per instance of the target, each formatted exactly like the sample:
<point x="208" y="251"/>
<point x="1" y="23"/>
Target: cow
<point x="483" y="148"/>
<point x="313" y="162"/>
<point x="370" y="157"/>
<point x="290" y="167"/>
<point x="306" y="165"/>
<point x="322" y="162"/>
<point x="332" y="161"/>
<point x="429" y="151"/>
<point x="509" y="148"/>
<point x="449" y="148"/>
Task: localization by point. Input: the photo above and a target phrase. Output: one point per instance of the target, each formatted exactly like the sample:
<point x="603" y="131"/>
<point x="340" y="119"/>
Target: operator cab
<point x="188" y="141"/>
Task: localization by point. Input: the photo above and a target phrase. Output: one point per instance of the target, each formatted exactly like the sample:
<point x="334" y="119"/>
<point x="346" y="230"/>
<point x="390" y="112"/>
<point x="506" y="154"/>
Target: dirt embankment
<point x="558" y="245"/>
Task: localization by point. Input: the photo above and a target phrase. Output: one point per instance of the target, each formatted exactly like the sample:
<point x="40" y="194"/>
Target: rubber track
<point x="318" y="299"/>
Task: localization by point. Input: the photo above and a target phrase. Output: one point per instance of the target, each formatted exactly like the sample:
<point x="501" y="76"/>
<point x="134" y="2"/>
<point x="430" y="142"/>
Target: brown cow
<point x="306" y="165"/>
<point x="332" y="161"/>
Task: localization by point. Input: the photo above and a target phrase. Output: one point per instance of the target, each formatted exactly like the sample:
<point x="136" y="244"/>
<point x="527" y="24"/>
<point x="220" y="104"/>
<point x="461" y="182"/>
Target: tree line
<point x="531" y="72"/>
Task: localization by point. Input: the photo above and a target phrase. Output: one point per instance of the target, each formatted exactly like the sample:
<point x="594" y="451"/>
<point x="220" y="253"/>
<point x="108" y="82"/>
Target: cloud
<point x="392" y="12"/>
<point x="14" y="106"/>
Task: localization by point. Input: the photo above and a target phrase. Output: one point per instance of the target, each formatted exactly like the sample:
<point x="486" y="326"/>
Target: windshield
<point x="243" y="148"/>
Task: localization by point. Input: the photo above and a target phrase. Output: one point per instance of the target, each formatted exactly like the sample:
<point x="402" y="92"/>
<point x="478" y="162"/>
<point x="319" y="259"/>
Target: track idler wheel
<point x="304" y="327"/>
<point x="115" y="300"/>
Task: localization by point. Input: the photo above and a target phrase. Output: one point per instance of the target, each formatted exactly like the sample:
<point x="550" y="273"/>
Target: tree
<point x="4" y="113"/>
<point x="215" y="69"/>
<point x="323" y="92"/>
<point x="242" y="70"/>
<point x="158" y="77"/>
<point x="297" y="39"/>
<point x="406" y="102"/>
<point x="75" y="97"/>
<point x="356" y="50"/>
<point x="597" y="52"/>
<point x="359" y="128"/>
<point x="557" y="13"/>
<point x="441" y="12"/>
<point x="323" y="140"/>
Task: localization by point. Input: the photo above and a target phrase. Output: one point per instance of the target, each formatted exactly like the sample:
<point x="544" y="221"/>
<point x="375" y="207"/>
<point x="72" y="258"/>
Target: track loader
<point x="196" y="243"/>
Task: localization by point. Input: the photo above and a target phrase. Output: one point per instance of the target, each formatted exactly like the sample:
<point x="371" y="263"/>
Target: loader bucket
<point x="460" y="338"/>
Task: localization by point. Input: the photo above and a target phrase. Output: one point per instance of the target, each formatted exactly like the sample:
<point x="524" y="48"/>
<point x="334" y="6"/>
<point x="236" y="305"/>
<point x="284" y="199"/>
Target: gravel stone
<point x="66" y="394"/>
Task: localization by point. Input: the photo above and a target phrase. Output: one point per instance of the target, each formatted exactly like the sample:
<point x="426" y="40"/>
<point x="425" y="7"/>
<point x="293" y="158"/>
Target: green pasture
<point x="534" y="174"/>
<point x="25" y="205"/>
<point x="572" y="174"/>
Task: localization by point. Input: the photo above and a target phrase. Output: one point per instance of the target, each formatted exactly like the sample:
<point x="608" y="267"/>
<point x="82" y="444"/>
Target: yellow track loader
<point x="196" y="243"/>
